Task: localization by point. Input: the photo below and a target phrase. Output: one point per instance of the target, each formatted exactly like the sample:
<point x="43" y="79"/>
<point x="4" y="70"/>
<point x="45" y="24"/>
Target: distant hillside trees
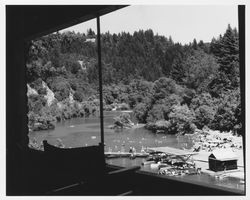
<point x="179" y="87"/>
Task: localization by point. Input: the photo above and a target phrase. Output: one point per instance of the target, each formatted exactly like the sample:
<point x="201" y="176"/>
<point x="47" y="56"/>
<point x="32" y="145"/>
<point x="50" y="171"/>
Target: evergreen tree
<point x="90" y="33"/>
<point x="226" y="50"/>
<point x="215" y="46"/>
<point x="194" y="44"/>
<point x="229" y="52"/>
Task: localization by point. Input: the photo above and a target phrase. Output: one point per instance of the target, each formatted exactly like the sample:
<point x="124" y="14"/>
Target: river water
<point x="79" y="132"/>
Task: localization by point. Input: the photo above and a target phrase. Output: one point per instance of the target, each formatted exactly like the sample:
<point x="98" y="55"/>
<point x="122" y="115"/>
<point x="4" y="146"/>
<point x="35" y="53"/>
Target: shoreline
<point x="207" y="141"/>
<point x="236" y="173"/>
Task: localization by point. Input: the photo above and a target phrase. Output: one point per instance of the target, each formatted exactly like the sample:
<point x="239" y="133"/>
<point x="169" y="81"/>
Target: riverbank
<point x="201" y="161"/>
<point x="207" y="141"/>
<point x="79" y="132"/>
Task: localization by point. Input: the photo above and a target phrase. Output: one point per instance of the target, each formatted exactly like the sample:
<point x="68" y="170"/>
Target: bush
<point x="139" y="92"/>
<point x="187" y="96"/>
<point x="204" y="116"/>
<point x="37" y="84"/>
<point x="78" y="96"/>
<point x="163" y="87"/>
<point x="134" y="99"/>
<point x="62" y="95"/>
<point x="60" y="87"/>
<point x="89" y="108"/>
<point x="238" y="116"/>
<point x="203" y="99"/>
<point x="159" y="111"/>
<point x="72" y="66"/>
<point x="107" y="96"/>
<point x="36" y="103"/>
<point x="42" y="120"/>
<point x="162" y="108"/>
<point x="140" y="112"/>
<point x="32" y="118"/>
<point x="123" y="121"/>
<point x="123" y="106"/>
<point x="226" y="117"/>
<point x="42" y="91"/>
<point x="162" y="126"/>
<point x="56" y="111"/>
<point x="181" y="119"/>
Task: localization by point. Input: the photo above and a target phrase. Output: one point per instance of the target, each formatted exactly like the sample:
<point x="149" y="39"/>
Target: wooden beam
<point x="100" y="81"/>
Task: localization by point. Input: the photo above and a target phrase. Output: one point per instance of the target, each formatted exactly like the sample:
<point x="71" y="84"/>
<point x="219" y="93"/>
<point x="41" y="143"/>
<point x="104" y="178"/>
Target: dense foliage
<point x="178" y="87"/>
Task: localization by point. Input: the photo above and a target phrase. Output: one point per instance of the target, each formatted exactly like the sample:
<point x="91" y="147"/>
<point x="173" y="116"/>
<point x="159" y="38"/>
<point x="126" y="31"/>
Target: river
<point x="80" y="132"/>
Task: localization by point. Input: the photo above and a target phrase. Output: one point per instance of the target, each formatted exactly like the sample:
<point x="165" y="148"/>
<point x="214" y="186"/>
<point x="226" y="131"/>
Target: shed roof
<point x="224" y="154"/>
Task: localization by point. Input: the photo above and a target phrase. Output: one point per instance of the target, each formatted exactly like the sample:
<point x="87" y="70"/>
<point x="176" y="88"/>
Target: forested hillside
<point x="174" y="88"/>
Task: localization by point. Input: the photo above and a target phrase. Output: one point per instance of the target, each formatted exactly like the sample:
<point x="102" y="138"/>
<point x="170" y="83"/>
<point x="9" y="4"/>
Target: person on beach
<point x="130" y="150"/>
<point x="132" y="155"/>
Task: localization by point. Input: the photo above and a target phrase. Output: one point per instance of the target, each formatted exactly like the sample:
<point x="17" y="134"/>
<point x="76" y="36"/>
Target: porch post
<point x="241" y="26"/>
<point x="100" y="80"/>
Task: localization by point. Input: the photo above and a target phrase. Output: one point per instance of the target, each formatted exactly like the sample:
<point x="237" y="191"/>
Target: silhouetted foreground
<point x="82" y="171"/>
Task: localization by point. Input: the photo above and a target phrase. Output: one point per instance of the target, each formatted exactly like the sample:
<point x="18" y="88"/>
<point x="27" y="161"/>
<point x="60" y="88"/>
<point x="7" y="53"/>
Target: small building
<point x="220" y="160"/>
<point x="83" y="65"/>
<point x="90" y="40"/>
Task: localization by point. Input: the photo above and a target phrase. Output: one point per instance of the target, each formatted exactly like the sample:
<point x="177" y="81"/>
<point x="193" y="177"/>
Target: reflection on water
<point x="81" y="132"/>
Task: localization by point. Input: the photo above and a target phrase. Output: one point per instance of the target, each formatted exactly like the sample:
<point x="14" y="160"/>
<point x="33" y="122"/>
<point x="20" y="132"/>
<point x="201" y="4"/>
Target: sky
<point x="182" y="23"/>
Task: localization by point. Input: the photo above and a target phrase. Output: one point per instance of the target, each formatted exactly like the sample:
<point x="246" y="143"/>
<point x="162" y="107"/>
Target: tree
<point x="172" y="59"/>
<point x="229" y="52"/>
<point x="203" y="99"/>
<point x="60" y="86"/>
<point x="227" y="114"/>
<point x="72" y="66"/>
<point x="36" y="103"/>
<point x="34" y="70"/>
<point x="163" y="87"/>
<point x="42" y="91"/>
<point x="141" y="112"/>
<point x="78" y="96"/>
<point x="226" y="50"/>
<point x="238" y="123"/>
<point x="158" y="112"/>
<point x="200" y="69"/>
<point x="161" y="109"/>
<point x="55" y="55"/>
<point x="90" y="33"/>
<point x="204" y="116"/>
<point x="181" y="119"/>
<point x="158" y="78"/>
<point x="194" y="44"/>
<point x="215" y="46"/>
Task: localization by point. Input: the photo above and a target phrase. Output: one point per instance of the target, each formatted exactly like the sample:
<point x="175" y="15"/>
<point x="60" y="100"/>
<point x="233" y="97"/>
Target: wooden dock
<point x="124" y="154"/>
<point x="171" y="151"/>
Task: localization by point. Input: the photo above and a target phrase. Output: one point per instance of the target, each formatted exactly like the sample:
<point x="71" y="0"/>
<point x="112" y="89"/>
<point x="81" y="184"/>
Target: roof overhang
<point x="31" y="21"/>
